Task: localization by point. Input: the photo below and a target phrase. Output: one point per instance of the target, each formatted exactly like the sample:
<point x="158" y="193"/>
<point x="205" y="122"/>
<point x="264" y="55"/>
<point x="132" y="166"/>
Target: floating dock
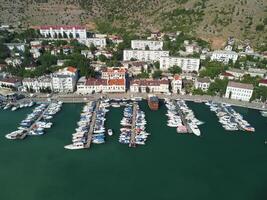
<point x="133" y="132"/>
<point x="91" y="129"/>
<point x="184" y="120"/>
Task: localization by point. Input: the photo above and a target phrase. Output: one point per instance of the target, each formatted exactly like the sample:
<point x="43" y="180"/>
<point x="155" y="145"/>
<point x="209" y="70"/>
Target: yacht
<point x="110" y="132"/>
<point x="75" y="146"/>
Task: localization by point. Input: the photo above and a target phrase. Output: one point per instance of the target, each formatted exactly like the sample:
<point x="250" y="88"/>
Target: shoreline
<point x="196" y="98"/>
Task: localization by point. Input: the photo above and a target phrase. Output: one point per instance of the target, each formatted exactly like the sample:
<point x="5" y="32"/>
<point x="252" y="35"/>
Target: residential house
<point x="38" y="84"/>
<point x="176" y="84"/>
<point x="237" y="73"/>
<point x="224" y="56"/>
<point x="10" y="82"/>
<point x="202" y="83"/>
<point x="263" y="82"/>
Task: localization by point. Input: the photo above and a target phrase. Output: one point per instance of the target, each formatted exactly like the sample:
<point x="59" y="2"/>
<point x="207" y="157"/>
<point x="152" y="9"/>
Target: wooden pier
<point x="32" y="126"/>
<point x="133" y="132"/>
<point x="92" y="126"/>
<point x="184" y="120"/>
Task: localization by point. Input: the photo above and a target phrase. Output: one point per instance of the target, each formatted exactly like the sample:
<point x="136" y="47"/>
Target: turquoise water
<point x="218" y="165"/>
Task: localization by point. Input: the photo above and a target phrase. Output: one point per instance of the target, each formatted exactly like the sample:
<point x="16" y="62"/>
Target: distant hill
<point x="209" y="19"/>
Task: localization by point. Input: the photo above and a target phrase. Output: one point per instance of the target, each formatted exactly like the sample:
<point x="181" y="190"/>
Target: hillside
<point x="210" y="19"/>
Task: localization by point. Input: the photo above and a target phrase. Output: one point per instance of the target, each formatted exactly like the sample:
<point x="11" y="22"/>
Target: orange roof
<point x="177" y="77"/>
<point x="116" y="82"/>
<point x="114" y="70"/>
<point x="72" y="69"/>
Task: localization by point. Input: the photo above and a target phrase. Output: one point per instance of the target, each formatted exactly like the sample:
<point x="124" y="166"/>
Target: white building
<point x="143" y="44"/>
<point x="65" y="80"/>
<point x="17" y="46"/>
<point x="237" y="73"/>
<point x="144" y="55"/>
<point x="177" y="84"/>
<point x="87" y="53"/>
<point x="186" y="64"/>
<point x="224" y="56"/>
<point x="10" y="82"/>
<point x="149" y="86"/>
<point x="253" y="72"/>
<point x="92" y="85"/>
<point x="38" y="84"/>
<point x="239" y="91"/>
<point x="202" y="83"/>
<point x="68" y="31"/>
<point x="97" y="42"/>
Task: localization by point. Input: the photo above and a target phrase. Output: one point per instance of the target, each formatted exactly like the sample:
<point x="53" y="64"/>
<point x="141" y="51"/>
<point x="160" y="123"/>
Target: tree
<point x="102" y="58"/>
<point x="157" y="74"/>
<point x="4" y="52"/>
<point x="218" y="87"/>
<point x="147" y="47"/>
<point x="213" y="69"/>
<point x="175" y="70"/>
<point x="156" y="65"/>
<point x="92" y="48"/>
<point x="260" y="27"/>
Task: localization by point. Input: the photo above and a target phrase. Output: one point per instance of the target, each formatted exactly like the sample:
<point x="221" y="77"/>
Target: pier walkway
<point x="133" y="133"/>
<point x="92" y="126"/>
<point x="184" y="120"/>
<point x="34" y="124"/>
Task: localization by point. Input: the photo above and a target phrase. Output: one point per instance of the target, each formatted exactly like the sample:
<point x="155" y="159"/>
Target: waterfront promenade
<point x="75" y="98"/>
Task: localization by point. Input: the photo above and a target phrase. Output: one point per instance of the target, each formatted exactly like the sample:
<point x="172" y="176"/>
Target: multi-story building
<point x="98" y="42"/>
<point x="176" y="84"/>
<point x="149" y="86"/>
<point x="92" y="85"/>
<point x="63" y="31"/>
<point x="65" y="80"/>
<point x="239" y="91"/>
<point x="186" y="64"/>
<point x="263" y="82"/>
<point x="38" y="84"/>
<point x="202" y="83"/>
<point x="150" y="44"/>
<point x="144" y="55"/>
<point x="10" y="82"/>
<point x="15" y="46"/>
<point x="224" y="56"/>
<point x="113" y="73"/>
<point x="237" y="73"/>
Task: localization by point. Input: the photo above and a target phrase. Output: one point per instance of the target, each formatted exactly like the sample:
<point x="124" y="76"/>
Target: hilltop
<point x="212" y="20"/>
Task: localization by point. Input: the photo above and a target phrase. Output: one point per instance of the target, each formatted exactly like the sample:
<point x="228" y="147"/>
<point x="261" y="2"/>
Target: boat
<point x="75" y="146"/>
<point x="264" y="113"/>
<point x="153" y="102"/>
<point x="110" y="132"/>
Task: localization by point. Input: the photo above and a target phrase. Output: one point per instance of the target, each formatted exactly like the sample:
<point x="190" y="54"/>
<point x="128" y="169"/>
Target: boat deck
<point x="184" y="120"/>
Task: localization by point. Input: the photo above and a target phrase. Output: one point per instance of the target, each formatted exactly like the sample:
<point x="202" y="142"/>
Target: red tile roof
<point x="64" y="27"/>
<point x="116" y="82"/>
<point x="240" y="85"/>
<point x="264" y="81"/>
<point x="227" y="74"/>
<point x="72" y="69"/>
<point x="93" y="81"/>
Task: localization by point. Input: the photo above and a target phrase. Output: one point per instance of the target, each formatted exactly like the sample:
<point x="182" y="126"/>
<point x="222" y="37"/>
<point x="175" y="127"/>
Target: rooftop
<point x="64" y="27"/>
<point x="240" y="85"/>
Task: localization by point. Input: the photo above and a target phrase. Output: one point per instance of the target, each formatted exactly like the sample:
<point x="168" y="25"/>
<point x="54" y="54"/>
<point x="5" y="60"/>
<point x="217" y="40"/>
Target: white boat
<point x="264" y="113"/>
<point x="194" y="129"/>
<point x="110" y="132"/>
<point x="75" y="146"/>
<point x="14" y="108"/>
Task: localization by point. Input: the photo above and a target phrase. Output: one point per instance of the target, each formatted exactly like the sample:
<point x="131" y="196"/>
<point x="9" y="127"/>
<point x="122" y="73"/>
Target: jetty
<point x="91" y="129"/>
<point x="184" y="120"/>
<point x="133" y="132"/>
<point x="34" y="124"/>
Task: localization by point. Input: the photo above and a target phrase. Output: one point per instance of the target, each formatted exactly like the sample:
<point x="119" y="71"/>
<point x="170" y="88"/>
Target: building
<point x="42" y="83"/>
<point x="87" y="54"/>
<point x="135" y="67"/>
<point x="63" y="32"/>
<point x="176" y="84"/>
<point x="239" y="91"/>
<point x="144" y="44"/>
<point x="113" y="73"/>
<point x="65" y="80"/>
<point x="224" y="56"/>
<point x="149" y="86"/>
<point x="202" y="83"/>
<point x="92" y="85"/>
<point x="13" y="61"/>
<point x="144" y="55"/>
<point x="186" y="64"/>
<point x="97" y="42"/>
<point x="15" y="46"/>
<point x="253" y="72"/>
<point x="227" y="75"/>
<point x="237" y="73"/>
<point x="10" y="82"/>
<point x="263" y="82"/>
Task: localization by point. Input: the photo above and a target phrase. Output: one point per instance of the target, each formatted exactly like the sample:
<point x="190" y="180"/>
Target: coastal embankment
<point x="75" y="98"/>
